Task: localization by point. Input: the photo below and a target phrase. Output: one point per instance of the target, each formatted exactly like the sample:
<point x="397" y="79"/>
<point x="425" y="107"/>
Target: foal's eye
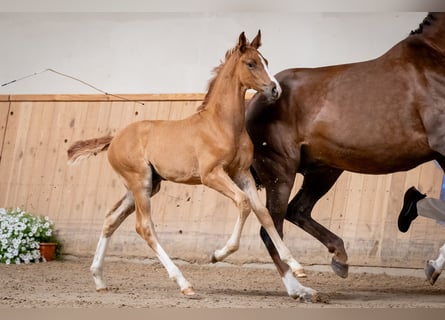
<point x="250" y="64"/>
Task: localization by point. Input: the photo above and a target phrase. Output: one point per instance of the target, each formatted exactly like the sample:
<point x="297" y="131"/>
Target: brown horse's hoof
<point x="213" y="259"/>
<point x="188" y="292"/>
<point x="340" y="268"/>
<point x="431" y="273"/>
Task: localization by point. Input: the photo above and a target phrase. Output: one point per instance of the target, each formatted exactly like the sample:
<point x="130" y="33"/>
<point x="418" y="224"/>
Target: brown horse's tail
<point x="86" y="148"/>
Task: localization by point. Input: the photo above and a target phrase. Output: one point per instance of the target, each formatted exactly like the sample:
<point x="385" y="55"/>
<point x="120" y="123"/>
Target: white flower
<point x="18" y="245"/>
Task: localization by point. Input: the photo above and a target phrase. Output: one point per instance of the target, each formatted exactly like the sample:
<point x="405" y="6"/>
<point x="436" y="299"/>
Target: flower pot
<point x="48" y="250"/>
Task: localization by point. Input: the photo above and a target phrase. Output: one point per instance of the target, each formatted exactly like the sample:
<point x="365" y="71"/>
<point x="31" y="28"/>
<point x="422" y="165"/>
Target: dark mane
<point x="426" y="22"/>
<point x="212" y="81"/>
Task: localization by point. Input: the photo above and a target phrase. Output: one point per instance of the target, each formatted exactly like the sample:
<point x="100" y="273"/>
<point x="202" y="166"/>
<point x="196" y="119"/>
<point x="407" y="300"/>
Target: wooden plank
<point x="13" y="156"/>
<point x="102" y="97"/>
<point x="4" y="115"/>
<point x="139" y="98"/>
<point x="34" y="178"/>
<point x="191" y="221"/>
<point x="61" y="186"/>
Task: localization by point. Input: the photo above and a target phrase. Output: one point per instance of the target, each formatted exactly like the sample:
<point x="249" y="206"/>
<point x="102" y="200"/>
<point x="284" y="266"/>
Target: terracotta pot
<point x="48" y="250"/>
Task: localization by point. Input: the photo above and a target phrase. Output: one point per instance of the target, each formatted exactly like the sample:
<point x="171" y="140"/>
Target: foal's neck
<point x="226" y="101"/>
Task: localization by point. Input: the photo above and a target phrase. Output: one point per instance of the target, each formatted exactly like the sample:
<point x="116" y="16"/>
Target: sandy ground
<point x="144" y="283"/>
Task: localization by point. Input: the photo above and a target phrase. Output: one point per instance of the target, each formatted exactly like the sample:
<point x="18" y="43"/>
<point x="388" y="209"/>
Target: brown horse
<point x="211" y="147"/>
<point x="373" y="117"/>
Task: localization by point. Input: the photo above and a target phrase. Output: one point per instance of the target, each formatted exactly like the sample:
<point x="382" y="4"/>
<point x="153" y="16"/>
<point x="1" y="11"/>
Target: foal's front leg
<point x="221" y="182"/>
<point x="294" y="288"/>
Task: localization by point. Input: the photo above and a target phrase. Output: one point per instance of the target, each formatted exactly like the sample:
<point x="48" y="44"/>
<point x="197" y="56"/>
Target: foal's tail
<point x="83" y="149"/>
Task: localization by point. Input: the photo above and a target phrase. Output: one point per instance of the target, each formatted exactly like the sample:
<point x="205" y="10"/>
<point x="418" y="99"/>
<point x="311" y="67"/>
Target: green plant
<point x="20" y="236"/>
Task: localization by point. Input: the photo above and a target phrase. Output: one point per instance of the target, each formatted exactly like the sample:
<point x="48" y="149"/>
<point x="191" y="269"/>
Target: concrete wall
<point x="175" y="52"/>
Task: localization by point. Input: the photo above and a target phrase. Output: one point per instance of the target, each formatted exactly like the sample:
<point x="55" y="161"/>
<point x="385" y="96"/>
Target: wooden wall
<point x="192" y="221"/>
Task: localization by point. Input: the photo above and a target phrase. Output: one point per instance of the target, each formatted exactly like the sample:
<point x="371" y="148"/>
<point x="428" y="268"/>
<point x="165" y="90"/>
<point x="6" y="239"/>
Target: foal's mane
<point x="426" y="22"/>
<point x="216" y="71"/>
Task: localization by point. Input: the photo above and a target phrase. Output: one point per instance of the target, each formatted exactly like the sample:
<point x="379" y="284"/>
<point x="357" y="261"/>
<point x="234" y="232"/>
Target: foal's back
<point x="168" y="146"/>
<point x="179" y="150"/>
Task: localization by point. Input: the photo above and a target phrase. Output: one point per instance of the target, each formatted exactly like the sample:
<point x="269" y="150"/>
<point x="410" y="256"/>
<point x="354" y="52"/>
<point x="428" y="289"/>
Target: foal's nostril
<point x="274" y="92"/>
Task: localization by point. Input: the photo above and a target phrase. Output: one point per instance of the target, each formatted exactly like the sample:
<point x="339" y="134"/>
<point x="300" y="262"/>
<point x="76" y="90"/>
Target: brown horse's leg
<point x="315" y="184"/>
<point x="277" y="175"/>
<point x="278" y="191"/>
<point x="122" y="209"/>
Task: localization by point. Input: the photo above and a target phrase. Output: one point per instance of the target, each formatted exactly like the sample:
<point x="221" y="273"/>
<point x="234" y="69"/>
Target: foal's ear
<point x="242" y="42"/>
<point x="256" y="43"/>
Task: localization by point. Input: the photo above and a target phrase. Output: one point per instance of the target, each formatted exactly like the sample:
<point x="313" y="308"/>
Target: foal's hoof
<point x="308" y="295"/>
<point x="431" y="273"/>
<point x="213" y="259"/>
<point x="102" y="289"/>
<point x="299" y="273"/>
<point x="340" y="268"/>
<point x="188" y="292"/>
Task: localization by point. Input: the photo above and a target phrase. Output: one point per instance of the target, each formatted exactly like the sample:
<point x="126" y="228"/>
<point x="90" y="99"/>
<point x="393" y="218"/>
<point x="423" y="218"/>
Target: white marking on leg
<point x="112" y="221"/>
<point x="98" y="261"/>
<point x="233" y="243"/>
<point x="173" y="271"/>
<point x="294" y="288"/>
<point x="266" y="221"/>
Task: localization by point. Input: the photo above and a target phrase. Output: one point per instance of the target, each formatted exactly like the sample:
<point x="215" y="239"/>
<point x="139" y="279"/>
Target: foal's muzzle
<point x="272" y="91"/>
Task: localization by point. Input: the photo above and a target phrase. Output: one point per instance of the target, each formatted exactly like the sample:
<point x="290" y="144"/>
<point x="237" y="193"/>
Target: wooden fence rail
<point x="192" y="221"/>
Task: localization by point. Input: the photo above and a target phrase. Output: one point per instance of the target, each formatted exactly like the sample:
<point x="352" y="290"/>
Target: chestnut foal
<point x="210" y="147"/>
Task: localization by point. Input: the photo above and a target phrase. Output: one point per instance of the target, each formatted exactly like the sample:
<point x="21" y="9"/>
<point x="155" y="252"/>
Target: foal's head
<point x="252" y="68"/>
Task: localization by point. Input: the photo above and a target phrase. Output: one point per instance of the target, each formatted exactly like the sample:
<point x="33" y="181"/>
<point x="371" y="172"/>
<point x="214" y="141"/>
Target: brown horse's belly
<point x="369" y="161"/>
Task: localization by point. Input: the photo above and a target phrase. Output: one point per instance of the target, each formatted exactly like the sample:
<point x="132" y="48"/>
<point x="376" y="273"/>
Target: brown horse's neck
<point x="225" y="101"/>
<point x="432" y="30"/>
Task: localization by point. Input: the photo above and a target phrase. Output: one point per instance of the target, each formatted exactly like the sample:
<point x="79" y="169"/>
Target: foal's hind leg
<point x="142" y="190"/>
<point x="122" y="209"/>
